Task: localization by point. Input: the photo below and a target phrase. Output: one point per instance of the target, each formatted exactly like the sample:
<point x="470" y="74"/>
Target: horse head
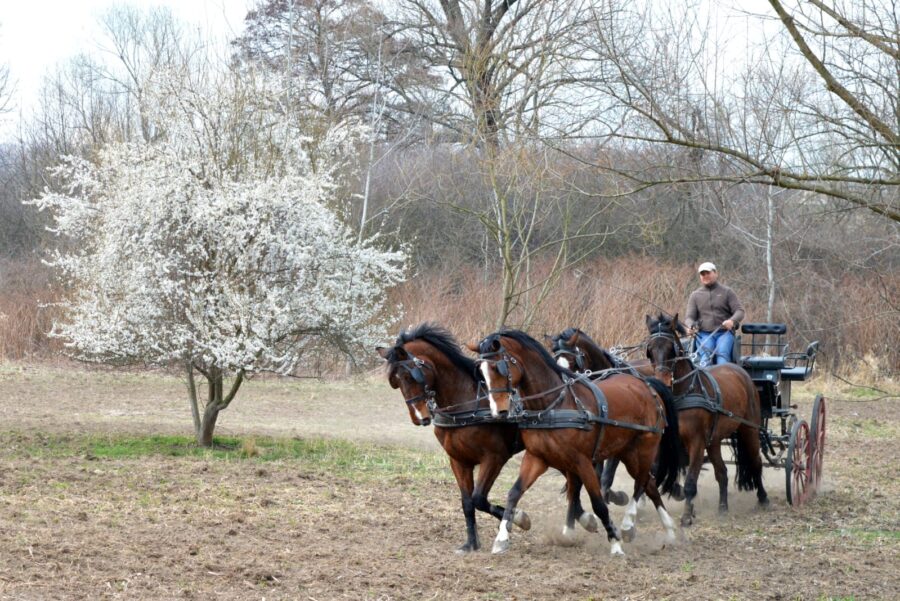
<point x="566" y="350"/>
<point x="428" y="367"/>
<point x="513" y="364"/>
<point x="411" y="375"/>
<point x="664" y="346"/>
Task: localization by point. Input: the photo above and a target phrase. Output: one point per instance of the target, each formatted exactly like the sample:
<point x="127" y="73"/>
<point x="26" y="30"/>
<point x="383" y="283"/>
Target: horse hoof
<point x="764" y="503"/>
<point x="467" y="548"/>
<point x="500" y="546"/>
<point x="521" y="519"/>
<point x="628" y="534"/>
<point x="723" y="509"/>
<point x="617" y="497"/>
<point x="686" y="521"/>
<point x="616" y="549"/>
<point x="589" y="521"/>
<point x="677" y="493"/>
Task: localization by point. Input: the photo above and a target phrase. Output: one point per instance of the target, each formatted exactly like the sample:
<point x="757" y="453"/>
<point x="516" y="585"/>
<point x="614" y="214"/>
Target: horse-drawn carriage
<point x="798" y="446"/>
<point x="517" y="396"/>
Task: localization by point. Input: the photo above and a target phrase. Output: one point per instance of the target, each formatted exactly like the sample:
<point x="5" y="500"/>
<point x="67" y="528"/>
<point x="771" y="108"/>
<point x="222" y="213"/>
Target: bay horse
<point x="572" y="424"/>
<point x="442" y="385"/>
<point x="573" y="348"/>
<point x="713" y="403"/>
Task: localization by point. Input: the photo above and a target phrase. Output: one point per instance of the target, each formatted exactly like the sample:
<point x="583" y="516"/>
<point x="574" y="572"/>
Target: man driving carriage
<point x="713" y="313"/>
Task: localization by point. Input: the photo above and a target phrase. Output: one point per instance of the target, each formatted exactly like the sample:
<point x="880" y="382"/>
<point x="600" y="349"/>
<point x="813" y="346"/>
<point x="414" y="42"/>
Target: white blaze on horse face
<point x="486" y="372"/>
<point x="419" y="415"/>
<point x="562" y="362"/>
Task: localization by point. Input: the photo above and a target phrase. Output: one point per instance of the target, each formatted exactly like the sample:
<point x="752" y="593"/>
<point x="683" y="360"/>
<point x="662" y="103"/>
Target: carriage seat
<point x="764" y="328"/>
<point x="760" y="362"/>
<point x="801" y="363"/>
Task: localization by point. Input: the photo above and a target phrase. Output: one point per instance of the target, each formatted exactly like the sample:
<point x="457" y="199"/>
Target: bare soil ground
<point x="155" y="527"/>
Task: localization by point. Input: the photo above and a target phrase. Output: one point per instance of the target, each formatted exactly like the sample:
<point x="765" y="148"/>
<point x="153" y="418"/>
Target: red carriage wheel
<point x="798" y="465"/>
<point x="817" y="431"/>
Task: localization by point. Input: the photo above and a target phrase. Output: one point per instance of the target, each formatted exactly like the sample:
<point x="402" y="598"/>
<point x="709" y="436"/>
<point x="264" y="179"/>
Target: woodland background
<point x="543" y="163"/>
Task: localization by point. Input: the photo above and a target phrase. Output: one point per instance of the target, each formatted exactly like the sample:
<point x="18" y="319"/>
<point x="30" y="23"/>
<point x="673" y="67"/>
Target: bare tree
<point x="508" y="75"/>
<point x="831" y="73"/>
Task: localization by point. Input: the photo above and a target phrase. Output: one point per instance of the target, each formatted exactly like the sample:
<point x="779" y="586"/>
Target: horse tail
<point x="746" y="453"/>
<point x="671" y="459"/>
<point x="746" y="463"/>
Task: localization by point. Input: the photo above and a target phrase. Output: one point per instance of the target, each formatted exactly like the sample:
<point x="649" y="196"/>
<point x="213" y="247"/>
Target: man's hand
<point x="728" y="324"/>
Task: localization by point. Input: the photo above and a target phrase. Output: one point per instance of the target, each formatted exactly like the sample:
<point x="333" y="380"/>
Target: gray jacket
<point x="708" y="307"/>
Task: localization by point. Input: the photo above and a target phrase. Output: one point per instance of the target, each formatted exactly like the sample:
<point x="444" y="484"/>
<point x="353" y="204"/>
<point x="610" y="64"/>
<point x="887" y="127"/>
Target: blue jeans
<point x="719" y="345"/>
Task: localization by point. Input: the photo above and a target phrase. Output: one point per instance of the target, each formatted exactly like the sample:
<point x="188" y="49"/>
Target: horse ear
<point x="648" y="320"/>
<point x="472" y="345"/>
<point x="383" y="351"/>
<point x="573" y="339"/>
<point x="401" y="353"/>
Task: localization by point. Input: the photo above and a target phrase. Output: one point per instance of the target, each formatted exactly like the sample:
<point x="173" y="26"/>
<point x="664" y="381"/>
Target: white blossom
<point x="213" y="242"/>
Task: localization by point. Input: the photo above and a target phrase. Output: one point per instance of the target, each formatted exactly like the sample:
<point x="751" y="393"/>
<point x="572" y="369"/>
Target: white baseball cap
<point x="706" y="267"/>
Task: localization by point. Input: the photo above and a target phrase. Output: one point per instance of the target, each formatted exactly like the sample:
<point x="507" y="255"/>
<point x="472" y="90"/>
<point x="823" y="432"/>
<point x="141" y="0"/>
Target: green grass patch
<point x="873" y="428"/>
<point x="338" y="457"/>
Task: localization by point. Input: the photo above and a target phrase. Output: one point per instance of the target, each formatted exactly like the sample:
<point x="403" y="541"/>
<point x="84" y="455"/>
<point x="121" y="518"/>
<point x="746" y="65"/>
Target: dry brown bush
<point x="850" y="317"/>
<point x="25" y="320"/>
<point x="607" y="298"/>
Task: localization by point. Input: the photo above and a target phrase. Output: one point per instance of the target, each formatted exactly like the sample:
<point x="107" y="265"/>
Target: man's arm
<point x="692" y="314"/>
<point x="737" y="309"/>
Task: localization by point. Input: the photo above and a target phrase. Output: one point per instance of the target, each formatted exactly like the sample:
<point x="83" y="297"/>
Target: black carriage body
<point x="772" y="368"/>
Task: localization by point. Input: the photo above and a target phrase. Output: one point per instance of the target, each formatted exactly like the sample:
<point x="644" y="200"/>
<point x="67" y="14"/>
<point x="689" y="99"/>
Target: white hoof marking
<point x="616" y="549"/>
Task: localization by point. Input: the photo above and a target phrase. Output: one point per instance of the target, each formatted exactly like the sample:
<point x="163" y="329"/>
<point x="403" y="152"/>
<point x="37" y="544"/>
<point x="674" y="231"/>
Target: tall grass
<point x="25" y="289"/>
<point x="850" y="315"/>
<point x="611" y="298"/>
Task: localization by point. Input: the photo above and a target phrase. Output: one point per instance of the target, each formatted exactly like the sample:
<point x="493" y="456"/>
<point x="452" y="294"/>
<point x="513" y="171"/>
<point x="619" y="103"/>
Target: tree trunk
<point x="216" y="402"/>
<point x="770" y="265"/>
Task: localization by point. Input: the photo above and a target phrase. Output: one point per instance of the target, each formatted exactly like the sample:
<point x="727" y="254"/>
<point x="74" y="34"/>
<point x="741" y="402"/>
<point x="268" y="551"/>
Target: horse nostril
<point x="426" y="421"/>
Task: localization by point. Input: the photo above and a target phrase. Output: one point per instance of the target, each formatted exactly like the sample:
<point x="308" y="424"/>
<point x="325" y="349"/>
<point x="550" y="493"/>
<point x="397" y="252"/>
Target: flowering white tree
<point x="212" y="247"/>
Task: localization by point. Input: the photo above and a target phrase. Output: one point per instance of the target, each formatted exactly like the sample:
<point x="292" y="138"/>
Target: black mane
<point x="440" y="339"/>
<point x="662" y="324"/>
<point x="528" y="342"/>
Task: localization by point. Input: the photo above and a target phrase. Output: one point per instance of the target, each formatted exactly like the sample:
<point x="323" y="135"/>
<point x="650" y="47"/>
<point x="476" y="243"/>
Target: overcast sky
<point x="35" y="35"/>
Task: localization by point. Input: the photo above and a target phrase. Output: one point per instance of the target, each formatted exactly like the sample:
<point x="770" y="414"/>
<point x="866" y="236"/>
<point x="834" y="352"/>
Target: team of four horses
<point x="581" y="411"/>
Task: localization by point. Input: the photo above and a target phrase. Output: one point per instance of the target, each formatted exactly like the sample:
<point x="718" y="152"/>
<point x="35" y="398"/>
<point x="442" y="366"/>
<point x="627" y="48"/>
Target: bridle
<point x="413" y="367"/>
<point x="562" y="348"/>
<point x="663" y="331"/>
<point x="502" y="365"/>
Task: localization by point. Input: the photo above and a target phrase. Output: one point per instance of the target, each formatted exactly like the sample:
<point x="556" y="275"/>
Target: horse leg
<point x="463" y="474"/>
<point x="587" y="519"/>
<point x="592" y="485"/>
<point x="695" y="450"/>
<point x="606" y="481"/>
<point x="715" y="457"/>
<point x="488" y="471"/>
<point x="641" y="468"/>
<point x="531" y="469"/>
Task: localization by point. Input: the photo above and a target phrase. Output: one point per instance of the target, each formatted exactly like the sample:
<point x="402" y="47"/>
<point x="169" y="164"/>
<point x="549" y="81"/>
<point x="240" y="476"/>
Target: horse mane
<point x="441" y="340"/>
<point x="528" y="342"/>
<point x="662" y="322"/>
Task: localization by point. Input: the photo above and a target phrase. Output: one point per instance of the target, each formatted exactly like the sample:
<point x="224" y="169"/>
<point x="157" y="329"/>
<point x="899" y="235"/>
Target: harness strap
<point x="467" y="418"/>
